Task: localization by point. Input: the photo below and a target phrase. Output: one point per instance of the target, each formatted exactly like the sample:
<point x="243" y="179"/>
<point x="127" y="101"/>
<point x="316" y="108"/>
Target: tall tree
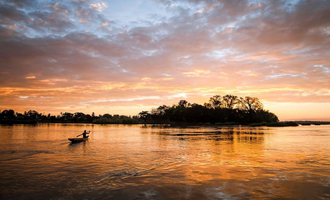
<point x="230" y="101"/>
<point x="144" y="115"/>
<point x="9" y="114"/>
<point x="184" y="103"/>
<point x="216" y="101"/>
<point x="251" y="104"/>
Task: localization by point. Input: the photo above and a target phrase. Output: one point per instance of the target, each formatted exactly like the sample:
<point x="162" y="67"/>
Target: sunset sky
<point x="123" y="57"/>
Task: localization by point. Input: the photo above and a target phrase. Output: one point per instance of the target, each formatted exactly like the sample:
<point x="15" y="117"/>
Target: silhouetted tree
<point x="224" y="109"/>
<point x="67" y="116"/>
<point x="108" y="116"/>
<point x="251" y="104"/>
<point x="216" y="101"/>
<point x="183" y="103"/>
<point x="32" y="114"/>
<point x="144" y="115"/>
<point x="8" y="114"/>
<point x="229" y="101"/>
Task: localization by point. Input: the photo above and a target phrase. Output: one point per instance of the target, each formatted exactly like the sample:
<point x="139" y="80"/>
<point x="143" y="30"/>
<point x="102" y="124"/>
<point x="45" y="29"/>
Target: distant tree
<point x="9" y="114"/>
<point x="207" y="105"/>
<point x="229" y="101"/>
<point x="161" y="110"/>
<point x="183" y="103"/>
<point x="108" y="116"/>
<point x="78" y="117"/>
<point x="78" y="114"/>
<point x="224" y="109"/>
<point x="32" y="114"/>
<point x="251" y="104"/>
<point x="19" y="116"/>
<point x="67" y="116"/>
<point x="216" y="101"/>
<point x="144" y="115"/>
<point x="88" y="118"/>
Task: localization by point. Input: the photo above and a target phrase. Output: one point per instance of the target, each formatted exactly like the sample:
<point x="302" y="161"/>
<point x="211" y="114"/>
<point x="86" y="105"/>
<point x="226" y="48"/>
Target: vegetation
<point x="218" y="111"/>
<point x="33" y="117"/>
<point x="305" y="124"/>
<point x="226" y="110"/>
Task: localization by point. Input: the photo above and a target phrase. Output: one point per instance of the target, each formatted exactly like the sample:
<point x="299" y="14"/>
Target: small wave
<point x="19" y="154"/>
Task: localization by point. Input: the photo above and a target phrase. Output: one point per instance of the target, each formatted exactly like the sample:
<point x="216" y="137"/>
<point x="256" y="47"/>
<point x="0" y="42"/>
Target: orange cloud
<point x="197" y="73"/>
<point x="73" y="56"/>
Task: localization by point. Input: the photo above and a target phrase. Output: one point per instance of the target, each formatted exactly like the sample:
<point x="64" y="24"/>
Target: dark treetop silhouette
<point x="228" y="109"/>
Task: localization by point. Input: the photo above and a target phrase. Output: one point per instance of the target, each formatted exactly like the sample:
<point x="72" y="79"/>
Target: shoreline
<point x="180" y="124"/>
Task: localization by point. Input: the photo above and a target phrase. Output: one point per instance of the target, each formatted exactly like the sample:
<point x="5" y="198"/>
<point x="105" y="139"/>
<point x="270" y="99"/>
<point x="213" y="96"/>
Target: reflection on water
<point x="131" y="162"/>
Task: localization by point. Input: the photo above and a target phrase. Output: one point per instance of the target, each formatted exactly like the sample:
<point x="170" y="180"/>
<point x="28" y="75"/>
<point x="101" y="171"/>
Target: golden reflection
<point x="170" y="163"/>
<point x="213" y="153"/>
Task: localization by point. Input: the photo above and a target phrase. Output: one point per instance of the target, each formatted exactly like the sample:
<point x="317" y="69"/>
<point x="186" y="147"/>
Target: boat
<point x="78" y="139"/>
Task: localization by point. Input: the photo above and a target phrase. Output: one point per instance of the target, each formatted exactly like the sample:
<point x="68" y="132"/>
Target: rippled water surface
<point x="136" y="162"/>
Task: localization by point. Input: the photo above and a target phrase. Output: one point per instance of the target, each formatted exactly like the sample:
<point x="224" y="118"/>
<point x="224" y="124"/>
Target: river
<point x="137" y="162"/>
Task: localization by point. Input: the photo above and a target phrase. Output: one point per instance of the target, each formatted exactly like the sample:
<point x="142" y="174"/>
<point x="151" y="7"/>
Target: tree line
<point x="228" y="109"/>
<point x="33" y="117"/>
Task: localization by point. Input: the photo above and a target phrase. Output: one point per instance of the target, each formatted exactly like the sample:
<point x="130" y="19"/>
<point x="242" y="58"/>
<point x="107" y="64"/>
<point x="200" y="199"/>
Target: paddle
<point x="82" y="134"/>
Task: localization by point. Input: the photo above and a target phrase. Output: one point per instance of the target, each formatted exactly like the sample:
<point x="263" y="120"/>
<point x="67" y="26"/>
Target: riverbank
<point x="15" y="121"/>
<point x="173" y="124"/>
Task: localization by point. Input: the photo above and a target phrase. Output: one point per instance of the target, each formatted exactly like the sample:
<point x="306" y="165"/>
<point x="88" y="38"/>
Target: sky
<point x="123" y="57"/>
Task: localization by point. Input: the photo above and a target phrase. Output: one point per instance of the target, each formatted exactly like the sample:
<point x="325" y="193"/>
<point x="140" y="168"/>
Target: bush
<point x="306" y="124"/>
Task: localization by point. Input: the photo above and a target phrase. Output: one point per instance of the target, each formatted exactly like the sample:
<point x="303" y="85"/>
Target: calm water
<point x="133" y="162"/>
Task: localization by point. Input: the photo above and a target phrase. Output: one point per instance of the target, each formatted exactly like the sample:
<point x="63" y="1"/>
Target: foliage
<point x="219" y="111"/>
<point x="228" y="109"/>
<point x="32" y="117"/>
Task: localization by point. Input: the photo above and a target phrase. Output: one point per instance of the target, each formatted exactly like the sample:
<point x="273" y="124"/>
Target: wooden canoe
<point x="78" y="139"/>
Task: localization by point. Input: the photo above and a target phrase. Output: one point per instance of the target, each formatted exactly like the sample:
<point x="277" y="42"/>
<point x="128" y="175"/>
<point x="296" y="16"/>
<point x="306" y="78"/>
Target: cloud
<point x="6" y="33"/>
<point x="72" y="53"/>
<point x="85" y="16"/>
<point x="9" y="13"/>
<point x="60" y="8"/>
<point x="98" y="6"/>
<point x="23" y="3"/>
<point x="45" y="21"/>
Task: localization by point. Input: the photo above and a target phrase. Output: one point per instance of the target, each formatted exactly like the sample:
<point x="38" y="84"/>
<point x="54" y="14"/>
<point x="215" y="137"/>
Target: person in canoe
<point x="84" y="138"/>
<point x="84" y="134"/>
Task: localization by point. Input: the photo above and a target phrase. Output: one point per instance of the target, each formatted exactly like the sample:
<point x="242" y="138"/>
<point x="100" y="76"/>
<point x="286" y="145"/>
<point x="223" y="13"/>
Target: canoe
<point x="78" y="139"/>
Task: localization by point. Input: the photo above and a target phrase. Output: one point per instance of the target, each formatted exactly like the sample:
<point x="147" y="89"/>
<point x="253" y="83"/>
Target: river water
<point x="137" y="162"/>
